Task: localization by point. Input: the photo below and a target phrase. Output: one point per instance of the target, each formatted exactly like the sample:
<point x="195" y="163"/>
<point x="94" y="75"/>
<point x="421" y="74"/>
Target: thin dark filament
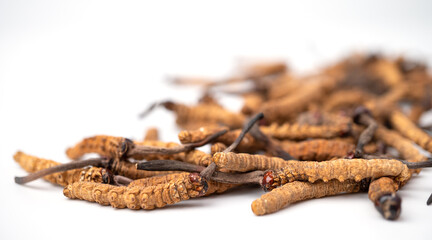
<point x="149" y="110"/>
<point x="367" y="134"/>
<point x="59" y="168"/>
<point x="415" y="165"/>
<point x="429" y="201"/>
<point x="173" y="150"/>
<point x="245" y="130"/>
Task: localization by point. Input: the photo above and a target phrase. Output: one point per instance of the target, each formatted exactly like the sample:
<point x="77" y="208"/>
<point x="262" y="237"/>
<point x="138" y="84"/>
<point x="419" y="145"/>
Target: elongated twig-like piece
<point x="298" y="191"/>
<point x="204" y="113"/>
<point x="285" y="108"/>
<point x="407" y="128"/>
<point x="106" y="146"/>
<point x="382" y="192"/>
<point x="317" y="149"/>
<point x="139" y="197"/>
<point x="300" y="132"/>
<point x="243" y="162"/>
<point x="34" y="164"/>
<point x="405" y="147"/>
<point x="340" y="169"/>
<point x="191" y="136"/>
<point x="213" y="187"/>
<point x="364" y="117"/>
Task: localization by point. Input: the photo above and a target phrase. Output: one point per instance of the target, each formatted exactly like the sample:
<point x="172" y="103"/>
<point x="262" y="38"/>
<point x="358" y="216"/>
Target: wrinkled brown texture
<point x="299" y="191"/>
<point x="135" y="197"/>
<point x="107" y="146"/>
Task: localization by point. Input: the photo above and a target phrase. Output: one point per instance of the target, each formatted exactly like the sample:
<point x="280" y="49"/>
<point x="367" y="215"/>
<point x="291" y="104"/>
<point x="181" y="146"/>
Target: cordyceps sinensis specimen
<point x="317" y="149"/>
<point x="213" y="186"/>
<point x="151" y="197"/>
<point x="299" y="191"/>
<point x="299" y="132"/>
<point x="107" y="146"/>
<point x="122" y="148"/>
<point x="407" y="128"/>
<point x="201" y="113"/>
<point x="61" y="177"/>
<point x="382" y="192"/>
<point x="340" y="169"/>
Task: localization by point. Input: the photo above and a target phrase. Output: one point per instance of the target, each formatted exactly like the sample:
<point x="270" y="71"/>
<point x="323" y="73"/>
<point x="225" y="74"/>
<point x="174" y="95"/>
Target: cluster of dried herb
<point x="308" y="137"/>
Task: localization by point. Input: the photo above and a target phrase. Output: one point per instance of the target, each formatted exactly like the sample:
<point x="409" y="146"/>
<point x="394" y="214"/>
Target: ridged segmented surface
<point x="107" y="146"/>
<point x="380" y="187"/>
<point x="213" y="187"/>
<point x="318" y="150"/>
<point x="243" y="162"/>
<point x="407" y="128"/>
<point x="135" y="197"/>
<point x="299" y="132"/>
<point x="298" y="191"/>
<point x="340" y="169"/>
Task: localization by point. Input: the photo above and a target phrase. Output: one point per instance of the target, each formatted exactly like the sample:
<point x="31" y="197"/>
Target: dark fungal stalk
<point x="363" y="116"/>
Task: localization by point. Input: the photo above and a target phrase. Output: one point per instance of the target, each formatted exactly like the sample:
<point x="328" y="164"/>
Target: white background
<point x="72" y="69"/>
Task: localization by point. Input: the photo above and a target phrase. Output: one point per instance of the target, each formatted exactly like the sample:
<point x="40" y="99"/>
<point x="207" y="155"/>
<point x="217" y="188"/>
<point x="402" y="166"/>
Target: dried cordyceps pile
<point x="302" y="137"/>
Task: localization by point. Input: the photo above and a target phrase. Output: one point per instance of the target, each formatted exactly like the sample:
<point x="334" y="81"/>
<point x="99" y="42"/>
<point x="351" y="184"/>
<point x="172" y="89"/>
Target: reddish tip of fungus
<point x="350" y="155"/>
<point x="267" y="181"/>
<point x="195" y="178"/>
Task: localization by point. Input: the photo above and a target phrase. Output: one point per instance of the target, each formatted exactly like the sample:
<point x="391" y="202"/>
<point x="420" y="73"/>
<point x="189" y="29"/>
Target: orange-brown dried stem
<point x="217" y="147"/>
<point x="139" y="197"/>
<point x="299" y="191"/>
<point x="191" y="136"/>
<point x="283" y="109"/>
<point x="213" y="186"/>
<point x="317" y="149"/>
<point x="300" y="132"/>
<point x="107" y="146"/>
<point x="340" y="169"/>
<point x="408" y="129"/>
<point x="204" y="113"/>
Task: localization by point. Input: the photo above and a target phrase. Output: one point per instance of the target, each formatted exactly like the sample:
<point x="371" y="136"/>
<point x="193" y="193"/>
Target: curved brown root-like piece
<point x="298" y="191"/>
<point x="299" y="132"/>
<point x="410" y="130"/>
<point x="213" y="187"/>
<point x="382" y="192"/>
<point x="139" y="197"/>
<point x="340" y="169"/>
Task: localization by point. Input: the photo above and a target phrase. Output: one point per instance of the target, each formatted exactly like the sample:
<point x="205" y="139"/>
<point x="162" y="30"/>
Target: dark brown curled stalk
<point x="211" y="168"/>
<point x="364" y="117"/>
